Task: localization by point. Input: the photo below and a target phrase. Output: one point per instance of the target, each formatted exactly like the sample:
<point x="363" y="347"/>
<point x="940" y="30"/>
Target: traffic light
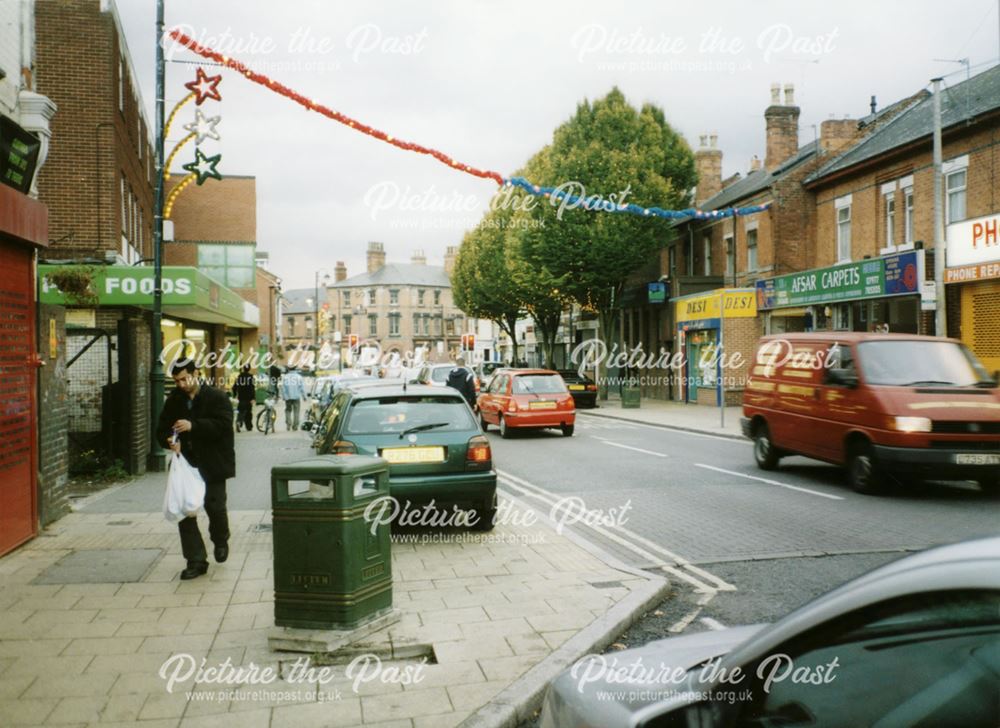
<point x="353" y="341"/>
<point x="468" y="342"/>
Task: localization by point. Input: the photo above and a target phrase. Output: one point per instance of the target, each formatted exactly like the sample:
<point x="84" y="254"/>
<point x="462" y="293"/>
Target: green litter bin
<point x="630" y="396"/>
<point x="332" y="569"/>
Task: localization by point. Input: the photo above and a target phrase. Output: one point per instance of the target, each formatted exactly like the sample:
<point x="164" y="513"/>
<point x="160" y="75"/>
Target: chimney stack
<point x="836" y="134"/>
<point x="755" y="163"/>
<point x="449" y="259"/>
<point x="376" y="257"/>
<point x="782" y="122"/>
<point x="339" y="272"/>
<point x="708" y="163"/>
<point x="418" y="258"/>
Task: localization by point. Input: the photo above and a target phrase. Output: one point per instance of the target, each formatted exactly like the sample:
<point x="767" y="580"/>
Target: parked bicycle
<point x="267" y="417"/>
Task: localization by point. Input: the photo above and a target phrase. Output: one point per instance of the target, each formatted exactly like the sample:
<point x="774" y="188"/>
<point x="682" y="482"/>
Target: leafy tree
<point x="612" y="151"/>
<point x="481" y="280"/>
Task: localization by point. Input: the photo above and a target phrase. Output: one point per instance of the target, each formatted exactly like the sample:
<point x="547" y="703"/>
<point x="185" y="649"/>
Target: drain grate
<point x="606" y="584"/>
<point x="119" y="523"/>
<point x="260" y="528"/>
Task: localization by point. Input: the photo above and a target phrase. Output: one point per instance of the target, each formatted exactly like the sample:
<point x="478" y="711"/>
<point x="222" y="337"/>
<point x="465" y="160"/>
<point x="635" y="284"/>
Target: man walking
<point x="293" y="389"/>
<point x="245" y="393"/>
<point x="460" y="378"/>
<point x="197" y="421"/>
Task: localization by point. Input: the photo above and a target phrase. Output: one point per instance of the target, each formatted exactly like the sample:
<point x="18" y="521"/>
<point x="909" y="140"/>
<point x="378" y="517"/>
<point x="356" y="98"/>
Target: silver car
<point x="912" y="643"/>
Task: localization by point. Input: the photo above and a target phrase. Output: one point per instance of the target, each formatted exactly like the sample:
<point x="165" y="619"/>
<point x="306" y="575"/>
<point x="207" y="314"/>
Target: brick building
<point x="876" y="202"/>
<point x="32" y="353"/>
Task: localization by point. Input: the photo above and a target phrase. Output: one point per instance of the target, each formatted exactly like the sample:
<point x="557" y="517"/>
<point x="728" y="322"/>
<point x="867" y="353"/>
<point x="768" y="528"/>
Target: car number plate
<point x="413" y="454"/>
<point x="977" y="458"/>
<point x="576" y="387"/>
<point x="541" y="405"/>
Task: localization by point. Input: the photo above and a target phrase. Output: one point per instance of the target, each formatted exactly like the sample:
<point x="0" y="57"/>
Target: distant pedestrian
<point x="293" y="390"/>
<point x="197" y="421"/>
<point x="273" y="375"/>
<point x="245" y="392"/>
<point x="462" y="379"/>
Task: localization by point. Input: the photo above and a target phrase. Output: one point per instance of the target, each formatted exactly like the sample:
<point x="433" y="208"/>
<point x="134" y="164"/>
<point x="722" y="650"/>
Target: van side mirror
<point x="846" y="377"/>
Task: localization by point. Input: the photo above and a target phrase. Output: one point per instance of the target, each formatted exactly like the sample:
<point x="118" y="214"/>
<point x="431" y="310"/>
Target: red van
<point x="886" y="406"/>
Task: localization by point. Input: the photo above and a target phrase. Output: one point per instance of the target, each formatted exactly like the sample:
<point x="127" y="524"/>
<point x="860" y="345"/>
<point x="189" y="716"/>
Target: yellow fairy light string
<point x="169" y="206"/>
<point x="176" y="149"/>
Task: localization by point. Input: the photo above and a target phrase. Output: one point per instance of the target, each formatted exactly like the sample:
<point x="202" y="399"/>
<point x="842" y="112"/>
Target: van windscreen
<point x="920" y="363"/>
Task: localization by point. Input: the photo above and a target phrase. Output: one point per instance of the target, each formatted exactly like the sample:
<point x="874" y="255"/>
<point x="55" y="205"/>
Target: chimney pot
<point x="703" y="140"/>
<point x="712" y="139"/>
<point x="775" y="94"/>
<point x="873" y="104"/>
<point x="789" y="94"/>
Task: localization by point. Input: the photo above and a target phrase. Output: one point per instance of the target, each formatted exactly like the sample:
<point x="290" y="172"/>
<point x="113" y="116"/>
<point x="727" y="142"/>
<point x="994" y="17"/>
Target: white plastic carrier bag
<point x="185" y="489"/>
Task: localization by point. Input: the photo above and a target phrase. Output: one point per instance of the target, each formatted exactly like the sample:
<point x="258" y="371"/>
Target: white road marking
<point x="630" y="425"/>
<point x="681" y="624"/>
<point x="673" y="567"/>
<point x="768" y="481"/>
<point x="629" y="447"/>
<point x="712" y="624"/>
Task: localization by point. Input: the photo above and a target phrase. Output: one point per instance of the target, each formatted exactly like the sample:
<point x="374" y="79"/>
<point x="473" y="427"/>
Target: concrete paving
<point x="674" y="415"/>
<point x="497" y="615"/>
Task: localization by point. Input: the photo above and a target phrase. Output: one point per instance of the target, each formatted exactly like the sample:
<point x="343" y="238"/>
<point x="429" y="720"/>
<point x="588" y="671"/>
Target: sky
<point x="487" y="83"/>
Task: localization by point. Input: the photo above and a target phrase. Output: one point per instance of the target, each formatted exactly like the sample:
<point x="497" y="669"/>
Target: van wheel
<point x="502" y="423"/>
<point x="863" y="472"/>
<point x="764" y="451"/>
<point x="567" y="430"/>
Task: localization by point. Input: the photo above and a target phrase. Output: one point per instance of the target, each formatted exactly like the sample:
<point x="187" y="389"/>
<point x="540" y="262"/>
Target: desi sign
<point x="973" y="241"/>
<point x="892" y="275"/>
<point x="738" y="304"/>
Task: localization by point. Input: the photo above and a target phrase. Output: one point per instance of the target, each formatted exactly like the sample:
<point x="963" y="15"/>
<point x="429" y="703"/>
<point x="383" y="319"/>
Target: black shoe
<point x="194" y="570"/>
<point x="221" y="554"/>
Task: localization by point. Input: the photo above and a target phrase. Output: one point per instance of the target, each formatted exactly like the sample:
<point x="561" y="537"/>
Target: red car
<point x="526" y="398"/>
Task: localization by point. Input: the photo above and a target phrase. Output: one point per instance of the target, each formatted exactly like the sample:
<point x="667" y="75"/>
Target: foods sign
<point x="893" y="275"/>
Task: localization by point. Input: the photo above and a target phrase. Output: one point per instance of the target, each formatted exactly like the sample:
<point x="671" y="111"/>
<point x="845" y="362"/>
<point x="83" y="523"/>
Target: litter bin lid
<point x="329" y="465"/>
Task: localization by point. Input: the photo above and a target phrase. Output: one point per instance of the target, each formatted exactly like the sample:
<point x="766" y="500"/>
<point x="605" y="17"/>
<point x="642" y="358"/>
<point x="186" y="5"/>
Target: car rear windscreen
<point x="402" y="413"/>
<point x="539" y="384"/>
<point x="440" y="374"/>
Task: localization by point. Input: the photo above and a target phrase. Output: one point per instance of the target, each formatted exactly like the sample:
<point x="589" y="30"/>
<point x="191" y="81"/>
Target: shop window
<point x="707" y="242"/>
<point x="751" y="250"/>
<point x="843" y="207"/>
<point x="230" y="265"/>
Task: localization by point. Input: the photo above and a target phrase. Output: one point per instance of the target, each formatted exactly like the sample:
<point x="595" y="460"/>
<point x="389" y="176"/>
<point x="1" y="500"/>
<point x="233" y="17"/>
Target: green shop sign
<point x="187" y="292"/>
<point x="892" y="275"/>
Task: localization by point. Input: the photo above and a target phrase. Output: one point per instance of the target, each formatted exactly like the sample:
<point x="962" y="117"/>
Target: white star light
<point x="203" y="127"/>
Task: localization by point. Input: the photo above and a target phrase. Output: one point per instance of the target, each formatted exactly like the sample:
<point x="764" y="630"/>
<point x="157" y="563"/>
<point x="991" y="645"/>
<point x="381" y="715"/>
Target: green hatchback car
<point x="429" y="436"/>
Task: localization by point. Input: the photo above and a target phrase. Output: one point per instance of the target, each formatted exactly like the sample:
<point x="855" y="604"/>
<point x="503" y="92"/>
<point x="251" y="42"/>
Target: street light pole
<point x="157" y="456"/>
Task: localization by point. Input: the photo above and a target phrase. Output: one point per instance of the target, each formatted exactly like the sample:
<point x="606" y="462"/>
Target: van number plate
<point x="977" y="458"/>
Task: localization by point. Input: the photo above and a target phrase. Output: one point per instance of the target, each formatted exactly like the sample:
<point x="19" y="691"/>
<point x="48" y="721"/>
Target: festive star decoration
<point x="203" y="127"/>
<point x="204" y="87"/>
<point x="203" y="166"/>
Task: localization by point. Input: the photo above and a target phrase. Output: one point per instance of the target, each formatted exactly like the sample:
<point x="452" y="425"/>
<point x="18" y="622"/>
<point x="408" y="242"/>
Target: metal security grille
<point x="986" y="323"/>
<point x="90" y="372"/>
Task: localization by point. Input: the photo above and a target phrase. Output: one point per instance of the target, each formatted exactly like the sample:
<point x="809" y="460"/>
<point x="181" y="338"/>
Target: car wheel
<point x="764" y="451"/>
<point x="567" y="430"/>
<point x="863" y="472"/>
<point x="502" y="424"/>
<point x="483" y="423"/>
<point x="486" y="517"/>
<point x="990" y="486"/>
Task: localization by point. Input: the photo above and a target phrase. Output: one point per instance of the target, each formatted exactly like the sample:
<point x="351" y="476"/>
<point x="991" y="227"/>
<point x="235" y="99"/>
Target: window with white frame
<point x="752" y="250"/>
<point x="393" y="297"/>
<point x="955" y="173"/>
<point x="121" y="83"/>
<point x="908" y="216"/>
<point x="291" y="325"/>
<point x="889" y="206"/>
<point x="707" y="242"/>
<point x="372" y="325"/>
<point x="730" y="255"/>
<point x="347" y="299"/>
<point x="689" y="256"/>
<point x="370" y="297"/>
<point x="394" y="324"/>
<point x="309" y="323"/>
<point x="843" y="208"/>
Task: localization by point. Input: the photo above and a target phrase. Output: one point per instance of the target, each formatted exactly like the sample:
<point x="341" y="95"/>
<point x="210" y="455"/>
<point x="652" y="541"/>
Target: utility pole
<point x="940" y="314"/>
<point x="157" y="456"/>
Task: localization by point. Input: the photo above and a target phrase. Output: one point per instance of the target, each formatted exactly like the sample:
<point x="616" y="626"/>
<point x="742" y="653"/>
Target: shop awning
<point x="187" y="293"/>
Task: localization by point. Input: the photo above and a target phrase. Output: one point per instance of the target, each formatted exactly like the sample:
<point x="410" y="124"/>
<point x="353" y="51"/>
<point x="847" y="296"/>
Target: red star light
<point x="204" y="87"/>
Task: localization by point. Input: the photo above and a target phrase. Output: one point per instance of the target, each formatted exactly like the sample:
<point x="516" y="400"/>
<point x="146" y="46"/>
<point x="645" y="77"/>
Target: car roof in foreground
<point x="394" y="389"/>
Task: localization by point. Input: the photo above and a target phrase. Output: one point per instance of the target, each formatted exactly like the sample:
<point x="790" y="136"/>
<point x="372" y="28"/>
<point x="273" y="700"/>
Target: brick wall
<point x="53" y="413"/>
<point x="94" y="144"/>
<point x="219" y="210"/>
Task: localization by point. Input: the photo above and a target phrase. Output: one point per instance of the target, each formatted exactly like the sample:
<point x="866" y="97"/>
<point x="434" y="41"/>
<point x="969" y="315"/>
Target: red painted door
<point x="17" y="397"/>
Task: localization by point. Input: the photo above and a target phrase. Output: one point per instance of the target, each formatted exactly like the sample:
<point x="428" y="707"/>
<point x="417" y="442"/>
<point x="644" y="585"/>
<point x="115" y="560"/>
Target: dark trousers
<point x="244" y="413"/>
<point x="192" y="546"/>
